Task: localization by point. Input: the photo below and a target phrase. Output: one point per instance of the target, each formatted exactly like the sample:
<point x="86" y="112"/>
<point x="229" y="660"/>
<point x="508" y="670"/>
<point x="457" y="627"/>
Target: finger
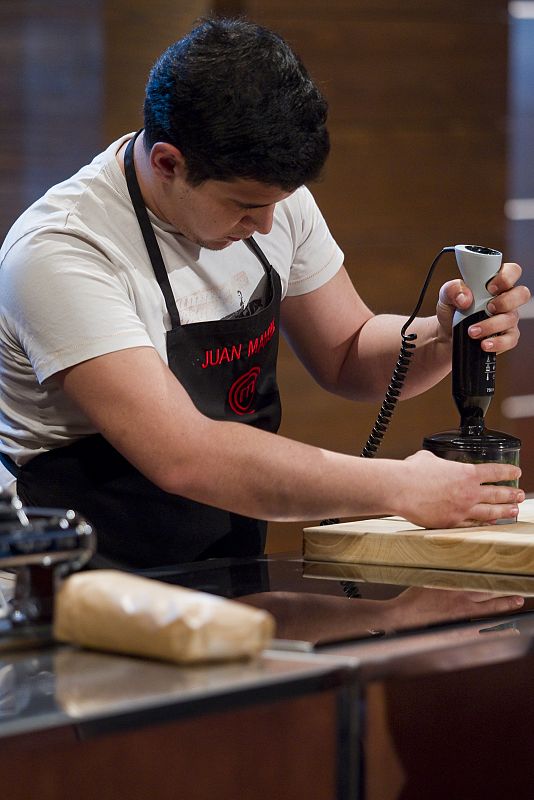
<point x="483" y="597"/>
<point x="500" y="344"/>
<point x="507" y="276"/>
<point x="489" y="514"/>
<point x="495" y="502"/>
<point x="492" y="472"/>
<point x="509" y="300"/>
<point x="493" y="326"/>
<point x="500" y="502"/>
<point x="500" y="605"/>
<point x="501" y="495"/>
<point x="455" y="294"/>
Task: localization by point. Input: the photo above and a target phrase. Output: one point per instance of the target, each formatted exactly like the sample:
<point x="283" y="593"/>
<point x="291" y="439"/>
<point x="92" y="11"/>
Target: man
<point x="141" y="302"/>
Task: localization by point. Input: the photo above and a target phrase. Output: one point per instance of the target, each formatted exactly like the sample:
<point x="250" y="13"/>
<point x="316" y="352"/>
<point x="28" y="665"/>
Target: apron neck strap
<point x="260" y="255"/>
<point x="154" y="253"/>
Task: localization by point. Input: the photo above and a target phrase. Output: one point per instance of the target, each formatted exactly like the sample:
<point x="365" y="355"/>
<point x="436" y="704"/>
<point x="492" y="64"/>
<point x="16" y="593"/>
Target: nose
<point x="260" y="219"/>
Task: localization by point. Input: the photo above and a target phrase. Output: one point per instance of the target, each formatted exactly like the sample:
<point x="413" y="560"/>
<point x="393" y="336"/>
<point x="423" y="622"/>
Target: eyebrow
<point x="253" y="205"/>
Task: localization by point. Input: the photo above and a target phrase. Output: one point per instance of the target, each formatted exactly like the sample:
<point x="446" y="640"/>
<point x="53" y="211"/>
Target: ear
<point x="167" y="162"/>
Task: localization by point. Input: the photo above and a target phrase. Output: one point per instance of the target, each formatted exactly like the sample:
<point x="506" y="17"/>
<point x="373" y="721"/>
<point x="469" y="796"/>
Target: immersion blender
<point x="473" y="373"/>
<point x="473" y="379"/>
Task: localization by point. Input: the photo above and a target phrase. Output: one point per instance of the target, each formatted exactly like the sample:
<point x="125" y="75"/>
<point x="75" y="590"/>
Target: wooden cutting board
<point x="393" y="541"/>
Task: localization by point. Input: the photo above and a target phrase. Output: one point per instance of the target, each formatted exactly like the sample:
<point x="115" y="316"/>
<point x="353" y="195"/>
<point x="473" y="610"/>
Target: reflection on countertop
<point x="309" y="602"/>
<point x="402" y="622"/>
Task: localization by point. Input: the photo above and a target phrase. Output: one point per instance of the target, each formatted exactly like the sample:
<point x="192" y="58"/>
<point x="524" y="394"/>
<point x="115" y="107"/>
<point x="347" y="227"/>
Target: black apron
<point x="228" y="368"/>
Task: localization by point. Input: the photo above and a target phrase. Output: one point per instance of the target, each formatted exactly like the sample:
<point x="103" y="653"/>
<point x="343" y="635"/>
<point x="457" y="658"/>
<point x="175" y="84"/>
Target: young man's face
<point x="216" y="214"/>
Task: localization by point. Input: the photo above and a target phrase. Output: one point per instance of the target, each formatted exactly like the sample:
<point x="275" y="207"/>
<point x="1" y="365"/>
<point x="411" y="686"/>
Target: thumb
<point x="452" y="295"/>
<point x="455" y="294"/>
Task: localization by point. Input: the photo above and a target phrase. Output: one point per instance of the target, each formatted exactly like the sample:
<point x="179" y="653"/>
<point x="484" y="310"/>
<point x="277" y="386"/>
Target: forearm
<point x="136" y="403"/>
<point x="370" y="361"/>
<point x="261" y="475"/>
<point x="322" y="618"/>
<point x="257" y="474"/>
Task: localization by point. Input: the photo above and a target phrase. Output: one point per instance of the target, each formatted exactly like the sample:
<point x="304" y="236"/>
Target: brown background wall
<point x="417" y="91"/>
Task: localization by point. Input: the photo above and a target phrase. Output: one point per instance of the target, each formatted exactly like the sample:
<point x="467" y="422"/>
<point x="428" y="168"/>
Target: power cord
<point x="392" y="395"/>
<point x="400" y="371"/>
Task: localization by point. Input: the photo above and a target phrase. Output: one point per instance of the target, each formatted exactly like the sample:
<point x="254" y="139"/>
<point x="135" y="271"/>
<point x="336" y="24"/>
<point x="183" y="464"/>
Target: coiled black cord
<point x="392" y="395"/>
<point x="400" y="371"/>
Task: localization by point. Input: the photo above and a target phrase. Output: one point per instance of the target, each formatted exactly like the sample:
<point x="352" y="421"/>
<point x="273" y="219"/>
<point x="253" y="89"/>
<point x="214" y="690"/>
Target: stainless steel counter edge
<point x="97" y="692"/>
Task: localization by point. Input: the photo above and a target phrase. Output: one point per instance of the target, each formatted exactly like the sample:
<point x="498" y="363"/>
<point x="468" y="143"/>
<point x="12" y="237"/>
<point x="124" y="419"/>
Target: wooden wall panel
<point x="388" y="69"/>
<point x="72" y="78"/>
<point x="136" y="33"/>
<point x="417" y="95"/>
<point x="377" y="9"/>
<point x="520" y="230"/>
<point x="50" y="89"/>
<point x="423" y="188"/>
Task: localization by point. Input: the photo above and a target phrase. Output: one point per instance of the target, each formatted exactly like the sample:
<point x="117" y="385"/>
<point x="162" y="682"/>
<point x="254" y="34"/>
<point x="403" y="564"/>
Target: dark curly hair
<point x="238" y="103"/>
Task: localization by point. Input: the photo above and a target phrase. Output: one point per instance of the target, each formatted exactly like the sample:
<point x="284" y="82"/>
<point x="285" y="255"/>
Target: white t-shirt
<point x="76" y="282"/>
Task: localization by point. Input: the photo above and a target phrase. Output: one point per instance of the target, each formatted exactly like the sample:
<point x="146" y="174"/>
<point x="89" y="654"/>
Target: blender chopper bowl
<point x="479" y="448"/>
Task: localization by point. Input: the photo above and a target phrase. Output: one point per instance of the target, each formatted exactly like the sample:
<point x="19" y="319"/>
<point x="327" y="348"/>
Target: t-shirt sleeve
<point x="317" y="256"/>
<point x="64" y="303"/>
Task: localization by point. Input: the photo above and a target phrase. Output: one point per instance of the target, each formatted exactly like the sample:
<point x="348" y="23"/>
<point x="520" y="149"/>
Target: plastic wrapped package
<point x="123" y="613"/>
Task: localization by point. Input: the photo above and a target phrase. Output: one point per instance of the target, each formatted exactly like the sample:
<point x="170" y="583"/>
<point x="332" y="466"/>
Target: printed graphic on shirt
<point x="207" y="304"/>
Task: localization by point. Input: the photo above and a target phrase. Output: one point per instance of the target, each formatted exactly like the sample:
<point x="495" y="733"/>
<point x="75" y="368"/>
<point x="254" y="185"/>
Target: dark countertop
<point x="50" y="686"/>
<point x="431" y="637"/>
<point x="288" y="573"/>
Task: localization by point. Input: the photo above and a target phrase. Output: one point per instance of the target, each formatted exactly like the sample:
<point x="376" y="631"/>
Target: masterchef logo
<point x="243" y="391"/>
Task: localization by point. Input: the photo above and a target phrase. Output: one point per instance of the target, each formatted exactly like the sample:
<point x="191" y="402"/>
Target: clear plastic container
<point x="481" y="447"/>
